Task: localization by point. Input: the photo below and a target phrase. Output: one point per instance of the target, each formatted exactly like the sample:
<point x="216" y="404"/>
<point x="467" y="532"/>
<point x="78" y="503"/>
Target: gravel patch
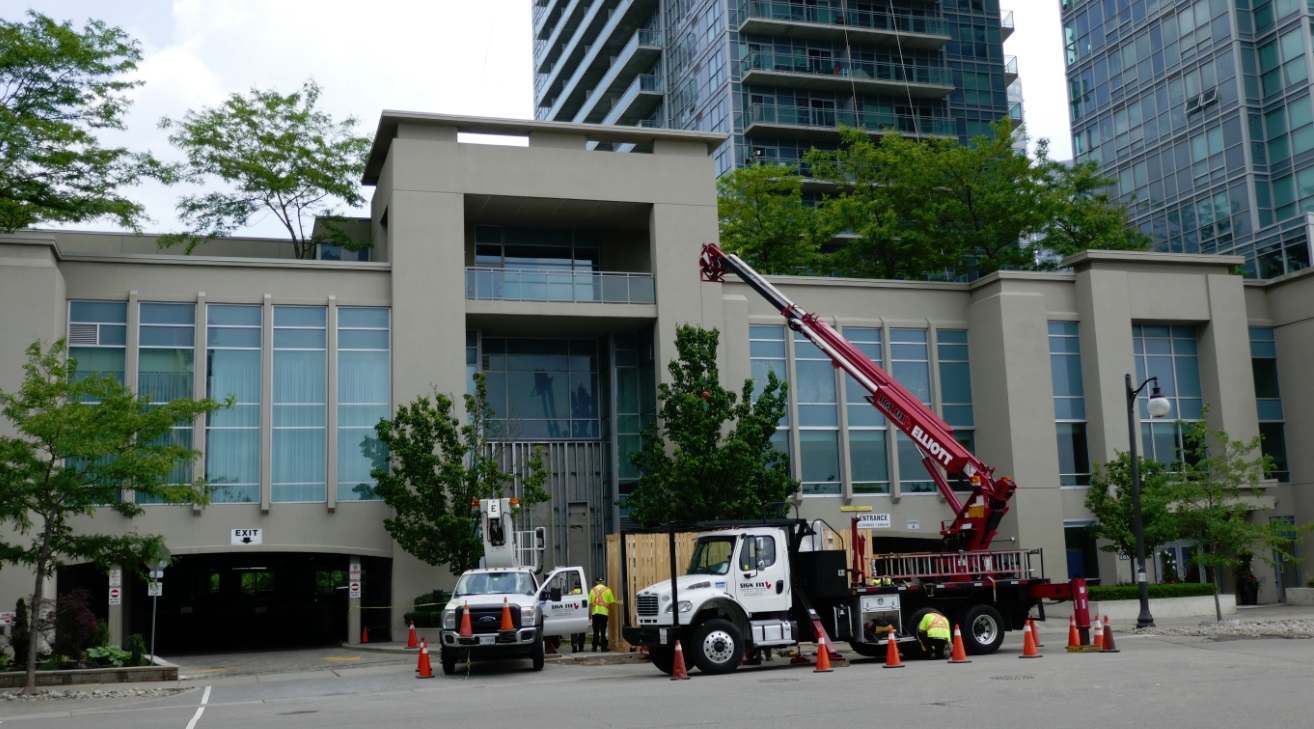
<point x="1240" y="629"/>
<point x="61" y="694"/>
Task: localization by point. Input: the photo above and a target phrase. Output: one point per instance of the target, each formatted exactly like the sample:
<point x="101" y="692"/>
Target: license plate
<point x="487" y="639"/>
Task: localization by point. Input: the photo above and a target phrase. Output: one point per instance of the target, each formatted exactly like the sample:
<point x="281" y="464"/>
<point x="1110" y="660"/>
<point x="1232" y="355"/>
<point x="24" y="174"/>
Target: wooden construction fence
<point x="649" y="557"/>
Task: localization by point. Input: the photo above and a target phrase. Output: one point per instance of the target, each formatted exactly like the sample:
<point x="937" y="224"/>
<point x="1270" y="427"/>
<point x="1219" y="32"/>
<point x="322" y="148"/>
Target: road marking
<point x="205" y="697"/>
<point x="340" y="658"/>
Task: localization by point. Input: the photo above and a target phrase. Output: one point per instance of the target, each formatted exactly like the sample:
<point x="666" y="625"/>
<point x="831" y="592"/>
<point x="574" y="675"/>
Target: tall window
<point x="1069" y="404"/>
<point x="232" y="435"/>
<point x="818" y="419"/>
<point x="1272" y="426"/>
<point x="364" y="396"/>
<point x="867" y="430"/>
<point x="956" y="385"/>
<point x="910" y="360"/>
<point x="300" y="404"/>
<point x="166" y="370"/>
<point x="1170" y="354"/>
<point x="767" y="350"/>
<point x="97" y="337"/>
<point x="543" y="388"/>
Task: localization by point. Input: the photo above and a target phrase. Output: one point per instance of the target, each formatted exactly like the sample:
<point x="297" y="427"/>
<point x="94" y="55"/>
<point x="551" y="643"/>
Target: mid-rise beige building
<point x="561" y="272"/>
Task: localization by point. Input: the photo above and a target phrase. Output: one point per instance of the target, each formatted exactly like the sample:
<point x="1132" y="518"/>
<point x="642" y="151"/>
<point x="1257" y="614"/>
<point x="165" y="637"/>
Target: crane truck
<point x="753" y="587"/>
<point x="507" y="582"/>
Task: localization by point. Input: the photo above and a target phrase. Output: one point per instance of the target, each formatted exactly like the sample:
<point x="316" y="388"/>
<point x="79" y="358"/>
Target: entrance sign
<point x="874" y="521"/>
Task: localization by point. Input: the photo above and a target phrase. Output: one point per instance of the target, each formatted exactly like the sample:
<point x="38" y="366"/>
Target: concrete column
<point x="354" y="621"/>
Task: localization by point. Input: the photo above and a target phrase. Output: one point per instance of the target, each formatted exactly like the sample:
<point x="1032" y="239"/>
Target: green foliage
<point x="102" y="634"/>
<point x="1309" y="582"/>
<point x="710" y="456"/>
<point x="1109" y="500"/>
<point x="429" y="468"/>
<point x="136" y="650"/>
<point x="1083" y="215"/>
<point x="20" y="635"/>
<point x="109" y="655"/>
<point x="1157" y="591"/>
<point x="80" y="439"/>
<point x="764" y="221"/>
<point x="58" y="88"/>
<point x="280" y="155"/>
<point x="1215" y="473"/>
<point x="424" y="618"/>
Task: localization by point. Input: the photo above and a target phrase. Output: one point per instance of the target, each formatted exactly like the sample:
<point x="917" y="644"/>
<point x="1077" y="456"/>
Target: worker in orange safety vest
<point x="600" y="599"/>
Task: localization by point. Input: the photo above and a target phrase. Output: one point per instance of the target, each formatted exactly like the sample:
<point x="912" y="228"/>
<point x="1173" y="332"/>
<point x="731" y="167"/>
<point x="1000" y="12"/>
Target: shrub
<point x="137" y="650"/>
<point x="424" y="618"/>
<point x="19" y="635"/>
<point x="1309" y="582"/>
<point x="109" y="655"/>
<point x="75" y="623"/>
<point x="102" y="635"/>
<point x="1132" y="592"/>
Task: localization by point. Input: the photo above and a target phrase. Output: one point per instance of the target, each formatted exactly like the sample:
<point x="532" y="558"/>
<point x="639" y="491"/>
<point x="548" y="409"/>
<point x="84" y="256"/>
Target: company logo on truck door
<point x="936" y="450"/>
<point x="754" y="587"/>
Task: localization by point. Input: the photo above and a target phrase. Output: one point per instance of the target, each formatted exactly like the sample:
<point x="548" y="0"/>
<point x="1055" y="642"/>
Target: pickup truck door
<point x="570" y="614"/>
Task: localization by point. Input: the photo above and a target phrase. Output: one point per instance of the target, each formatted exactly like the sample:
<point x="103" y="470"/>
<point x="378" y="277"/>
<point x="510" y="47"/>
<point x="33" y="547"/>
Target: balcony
<point x="820" y="124"/>
<point x="1010" y="69"/>
<point x="1015" y="115"/>
<point x="837" y="74"/>
<point x="638" y="55"/>
<point x="606" y="27"/>
<point x="1006" y="25"/>
<point x="573" y="287"/>
<point x="782" y="18"/>
<point x="638" y="101"/>
<point x="640" y="51"/>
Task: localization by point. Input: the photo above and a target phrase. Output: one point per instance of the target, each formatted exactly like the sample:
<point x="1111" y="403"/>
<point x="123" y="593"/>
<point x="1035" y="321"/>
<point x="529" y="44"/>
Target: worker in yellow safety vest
<point x="933" y="633"/>
<point x="600" y="599"/>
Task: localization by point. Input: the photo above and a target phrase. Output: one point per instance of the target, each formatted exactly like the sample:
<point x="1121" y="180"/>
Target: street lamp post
<point x="1158" y="407"/>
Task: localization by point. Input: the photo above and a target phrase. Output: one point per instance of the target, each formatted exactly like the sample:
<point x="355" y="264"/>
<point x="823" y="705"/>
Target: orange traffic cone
<point x="1074" y="638"/>
<point x="892" y="652"/>
<point x="1035" y="634"/>
<point x="1098" y="640"/>
<point x="466" y="630"/>
<point x="1109" y="647"/>
<point x="679" y="672"/>
<point x="410" y="639"/>
<point x="960" y="654"/>
<point x="823" y="657"/>
<point x="365" y="635"/>
<point x="506" y="615"/>
<point x="424" y="670"/>
<point x="1028" y="644"/>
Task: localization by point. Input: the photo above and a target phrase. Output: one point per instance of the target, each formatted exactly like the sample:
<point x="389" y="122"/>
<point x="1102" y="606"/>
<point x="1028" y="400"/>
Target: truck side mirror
<point x="554" y="594"/>
<point x="439" y="598"/>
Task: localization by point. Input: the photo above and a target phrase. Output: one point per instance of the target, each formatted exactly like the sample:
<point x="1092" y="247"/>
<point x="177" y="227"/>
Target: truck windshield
<point x="712" y="556"/>
<point x="495" y="583"/>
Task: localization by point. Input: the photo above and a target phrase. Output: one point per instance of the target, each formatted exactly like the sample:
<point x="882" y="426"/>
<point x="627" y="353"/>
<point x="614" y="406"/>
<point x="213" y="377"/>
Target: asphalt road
<point x="1156" y="681"/>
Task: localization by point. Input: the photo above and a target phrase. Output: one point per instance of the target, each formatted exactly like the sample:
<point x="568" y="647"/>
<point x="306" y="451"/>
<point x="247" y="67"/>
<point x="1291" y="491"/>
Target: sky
<point x="467" y="57"/>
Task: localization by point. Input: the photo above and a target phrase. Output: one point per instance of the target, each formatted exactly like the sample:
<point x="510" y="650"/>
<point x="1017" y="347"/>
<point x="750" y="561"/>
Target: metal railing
<point x="497" y="284"/>
<point x="785" y="10"/>
<point x="841" y="67"/>
<point x="869" y="121"/>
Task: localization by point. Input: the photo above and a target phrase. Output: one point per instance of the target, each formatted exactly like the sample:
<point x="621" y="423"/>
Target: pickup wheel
<point x="663" y="657"/>
<point x="983" y="630"/>
<point x="538" y="652"/>
<point x="449" y="662"/>
<point x="717" y="646"/>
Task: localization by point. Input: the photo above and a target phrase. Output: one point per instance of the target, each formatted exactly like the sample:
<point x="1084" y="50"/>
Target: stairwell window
<point x="300" y="402"/>
<point x="232" y="369"/>
<point x="1069" y="403"/>
<point x="166" y="371"/>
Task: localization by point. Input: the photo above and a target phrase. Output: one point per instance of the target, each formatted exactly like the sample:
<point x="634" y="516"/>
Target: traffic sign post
<point x="155" y="588"/>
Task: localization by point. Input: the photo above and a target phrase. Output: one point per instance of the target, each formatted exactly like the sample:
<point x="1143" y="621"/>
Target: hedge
<point x="1165" y="590"/>
<point x="424" y="618"/>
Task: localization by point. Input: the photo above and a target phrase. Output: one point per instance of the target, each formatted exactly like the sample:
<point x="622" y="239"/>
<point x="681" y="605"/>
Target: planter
<point x="1125" y="612"/>
<point x="1300" y="595"/>
<point x="159" y="672"/>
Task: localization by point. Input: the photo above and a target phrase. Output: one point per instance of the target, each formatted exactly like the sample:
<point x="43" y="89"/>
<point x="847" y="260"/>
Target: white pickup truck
<point x="539" y="611"/>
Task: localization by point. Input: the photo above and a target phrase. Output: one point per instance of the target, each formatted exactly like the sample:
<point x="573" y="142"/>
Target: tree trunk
<point x="33" y="634"/>
<point x="1218" y="607"/>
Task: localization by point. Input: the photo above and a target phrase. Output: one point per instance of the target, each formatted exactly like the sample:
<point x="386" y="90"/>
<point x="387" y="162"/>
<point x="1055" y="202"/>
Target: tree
<point x="58" y="88"/>
<point x="1109" y="500"/>
<point x="429" y="468"/>
<point x="81" y="439"/>
<point x="764" y="220"/>
<point x="710" y="454"/>
<point x="280" y="155"/>
<point x="1083" y="215"/>
<point x="1207" y="507"/>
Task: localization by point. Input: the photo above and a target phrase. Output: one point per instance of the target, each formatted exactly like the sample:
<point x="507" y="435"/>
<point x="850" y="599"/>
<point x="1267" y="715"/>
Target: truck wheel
<point x="663" y="657"/>
<point x="868" y="650"/>
<point x="983" y="630"/>
<point x="538" y="653"/>
<point x="449" y="662"/>
<point x="717" y="646"/>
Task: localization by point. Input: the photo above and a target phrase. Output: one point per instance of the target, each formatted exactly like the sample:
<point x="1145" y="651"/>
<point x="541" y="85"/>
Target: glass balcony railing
<point x="1006" y="22"/>
<point x="1015" y="113"/>
<point x="869" y="121"/>
<point x="784" y="10"/>
<point x="497" y="284"/>
<point x="1010" y="65"/>
<point x="650" y="82"/>
<point x="858" y="70"/>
